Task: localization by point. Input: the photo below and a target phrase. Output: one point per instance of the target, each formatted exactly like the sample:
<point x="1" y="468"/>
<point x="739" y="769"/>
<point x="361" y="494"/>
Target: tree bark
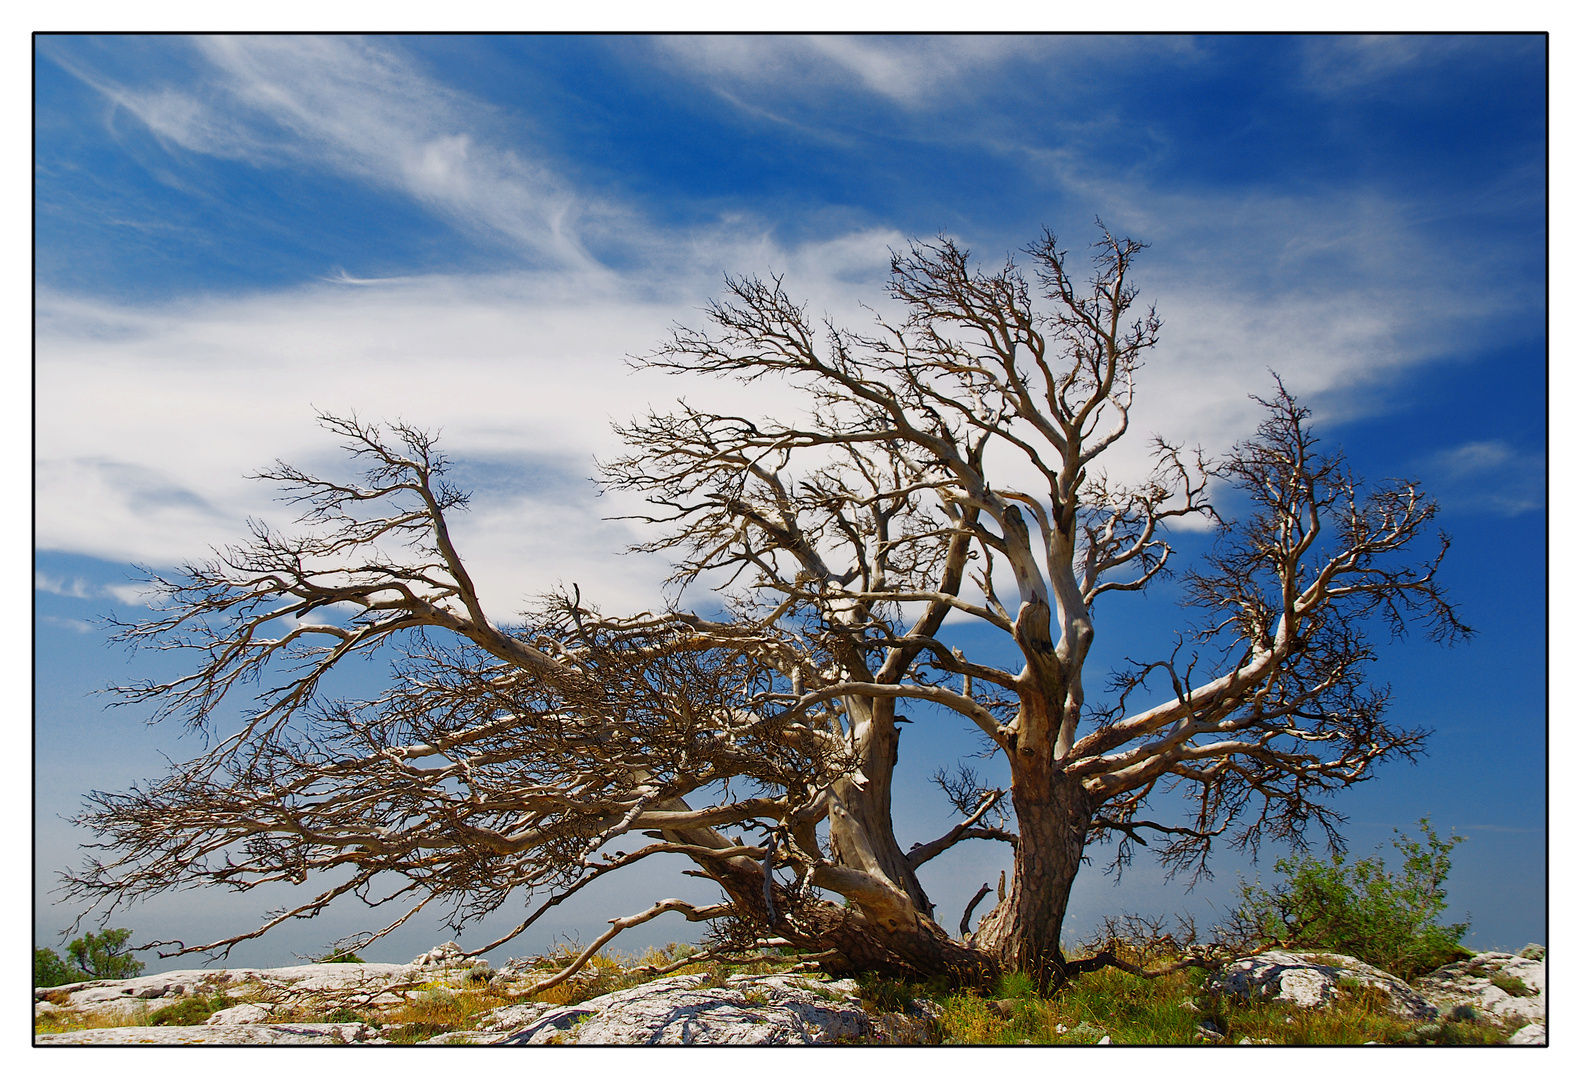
<point x="1053" y="813"/>
<point x="877" y="931"/>
<point x="861" y="831"/>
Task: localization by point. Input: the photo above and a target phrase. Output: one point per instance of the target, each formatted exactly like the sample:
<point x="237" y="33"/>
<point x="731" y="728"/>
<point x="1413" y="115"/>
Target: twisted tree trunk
<point x="1022" y="933"/>
<point x="861" y="830"/>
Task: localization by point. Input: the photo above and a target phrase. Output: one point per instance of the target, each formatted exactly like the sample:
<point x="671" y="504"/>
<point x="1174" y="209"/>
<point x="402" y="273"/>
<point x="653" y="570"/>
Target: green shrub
<point x="92" y="956"/>
<point x="1361" y="909"/>
<point x="50" y="970"/>
<point x="100" y="956"/>
<point x="344" y="1015"/>
<point x="187" y="1012"/>
<point x="339" y="956"/>
<point x="887" y="995"/>
<point x="1512" y="985"/>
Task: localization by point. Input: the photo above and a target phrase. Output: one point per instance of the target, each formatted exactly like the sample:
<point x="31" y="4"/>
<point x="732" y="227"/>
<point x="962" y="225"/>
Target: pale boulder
<point x="1530" y="1035"/>
<point x="749" y="1010"/>
<point x="1475" y="983"/>
<point x="219" y="1035"/>
<point x="1313" y="980"/>
<point x="246" y="1013"/>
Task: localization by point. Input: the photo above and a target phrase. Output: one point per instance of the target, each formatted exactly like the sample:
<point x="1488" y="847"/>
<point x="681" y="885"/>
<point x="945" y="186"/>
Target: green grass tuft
<point x="188" y="1011"/>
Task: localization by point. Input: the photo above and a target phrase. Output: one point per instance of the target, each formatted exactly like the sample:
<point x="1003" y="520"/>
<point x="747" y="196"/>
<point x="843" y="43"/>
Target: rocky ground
<point x="1495" y="986"/>
<point x="441" y="998"/>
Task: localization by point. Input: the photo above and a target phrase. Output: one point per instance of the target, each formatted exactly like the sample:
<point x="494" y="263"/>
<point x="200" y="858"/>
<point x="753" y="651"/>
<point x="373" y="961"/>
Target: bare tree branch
<point x="931" y="488"/>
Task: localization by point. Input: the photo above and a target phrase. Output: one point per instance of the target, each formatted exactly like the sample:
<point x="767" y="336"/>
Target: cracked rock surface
<point x="749" y="1010"/>
<point x="1314" y="979"/>
<point x="219" y="1035"/>
<point x="785" y="1009"/>
<point x="1498" y="986"/>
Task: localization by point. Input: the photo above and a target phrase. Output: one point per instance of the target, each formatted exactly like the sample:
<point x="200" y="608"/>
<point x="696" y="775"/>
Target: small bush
<point x="344" y="1015"/>
<point x="55" y="1023"/>
<point x="92" y="956"/>
<point x="187" y="1012"/>
<point x="896" y="995"/>
<point x="432" y="1012"/>
<point x="340" y="956"/>
<point x="1177" y="1010"/>
<point x="1512" y="986"/>
<point x="887" y="995"/>
<point x="50" y="970"/>
<point x="101" y="956"/>
<point x="1361" y="909"/>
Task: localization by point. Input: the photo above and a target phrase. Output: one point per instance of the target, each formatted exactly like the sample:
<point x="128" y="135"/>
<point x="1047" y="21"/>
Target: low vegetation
<point x="339" y="956"/>
<point x="1385" y="918"/>
<point x="1173" y="1010"/>
<point x="189" y="1011"/>
<point x="92" y="956"/>
<point x="1179" y="1010"/>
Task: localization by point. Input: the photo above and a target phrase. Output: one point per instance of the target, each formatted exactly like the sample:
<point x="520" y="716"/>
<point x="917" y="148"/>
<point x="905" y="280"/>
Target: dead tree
<point x="944" y="468"/>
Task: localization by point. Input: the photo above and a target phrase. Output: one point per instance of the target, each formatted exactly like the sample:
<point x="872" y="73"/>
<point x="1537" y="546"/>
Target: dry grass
<point x="123" y="1016"/>
<point x="436" y="1010"/>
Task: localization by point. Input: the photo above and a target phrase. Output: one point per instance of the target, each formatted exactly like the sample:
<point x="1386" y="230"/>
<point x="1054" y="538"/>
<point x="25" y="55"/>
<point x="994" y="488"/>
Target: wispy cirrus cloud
<point x="151" y="415"/>
<point x="365" y="111"/>
<point x="1344" y="63"/>
<point x="80" y="588"/>
<point x="76" y="588"/>
<point x="910" y="71"/>
<point x="80" y="626"/>
<point x="1488" y="473"/>
<point x="922" y="72"/>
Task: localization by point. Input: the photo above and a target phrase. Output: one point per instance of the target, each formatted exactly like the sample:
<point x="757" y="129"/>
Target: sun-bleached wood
<point x="942" y="466"/>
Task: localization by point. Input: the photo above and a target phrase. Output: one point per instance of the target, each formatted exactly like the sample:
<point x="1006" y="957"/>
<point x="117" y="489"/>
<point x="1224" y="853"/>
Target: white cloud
<point x="1487" y="474"/>
<point x="148" y="418"/>
<point x="80" y="626"/>
<point x="76" y="588"/>
<point x="1473" y="458"/>
<point x="132" y="593"/>
<point x="363" y="110"/>
<point x="917" y="72"/>
<point x="908" y="70"/>
<point x="80" y="588"/>
<point x="1344" y="63"/>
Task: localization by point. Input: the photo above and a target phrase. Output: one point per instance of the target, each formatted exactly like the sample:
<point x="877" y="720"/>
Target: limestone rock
<point x="1088" y="1033"/>
<point x="300" y="980"/>
<point x="440" y="956"/>
<point x="917" y="1026"/>
<point x="749" y="1010"/>
<point x="219" y="1035"/>
<point x="1476" y="983"/>
<point x="513" y="1017"/>
<point x="1530" y="1035"/>
<point x="247" y="1013"/>
<point x="1313" y="980"/>
<point x="309" y="988"/>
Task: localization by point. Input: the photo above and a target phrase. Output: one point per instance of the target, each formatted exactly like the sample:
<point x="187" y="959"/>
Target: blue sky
<point x="471" y="233"/>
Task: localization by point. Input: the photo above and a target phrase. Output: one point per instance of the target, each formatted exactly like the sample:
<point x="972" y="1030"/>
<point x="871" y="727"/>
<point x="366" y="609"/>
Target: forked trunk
<point x="1023" y="931"/>
<point x="861" y="831"/>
